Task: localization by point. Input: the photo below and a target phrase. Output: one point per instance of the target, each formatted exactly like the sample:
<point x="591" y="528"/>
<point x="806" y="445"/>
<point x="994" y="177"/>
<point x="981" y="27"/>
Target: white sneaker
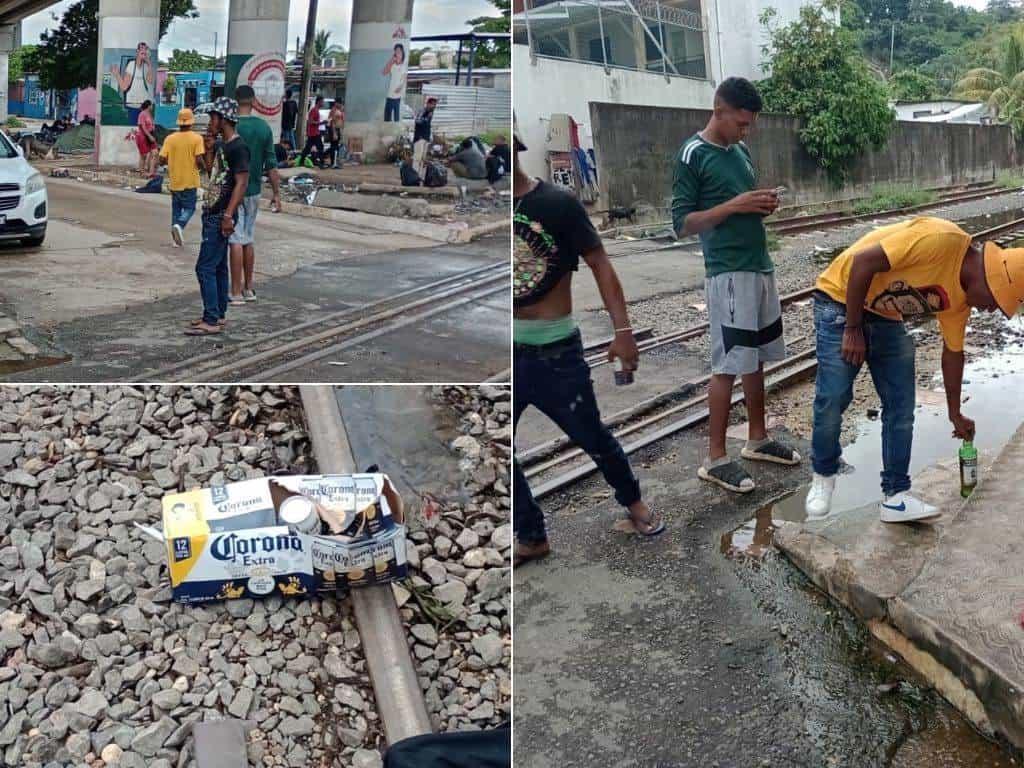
<point x="819" y="497"/>
<point x="176" y="234"/>
<point x="904" y="508"/>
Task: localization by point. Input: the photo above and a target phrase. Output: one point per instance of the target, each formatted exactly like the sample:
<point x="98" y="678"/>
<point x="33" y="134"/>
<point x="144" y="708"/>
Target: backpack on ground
<point x="436" y="175"/>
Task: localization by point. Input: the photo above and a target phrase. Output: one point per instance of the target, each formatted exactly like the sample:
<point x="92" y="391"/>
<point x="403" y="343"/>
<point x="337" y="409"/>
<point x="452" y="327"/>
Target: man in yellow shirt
<point x="924" y="266"/>
<point x="182" y="152"/>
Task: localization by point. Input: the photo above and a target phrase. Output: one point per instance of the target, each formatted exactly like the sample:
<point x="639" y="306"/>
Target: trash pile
<point x="79" y="140"/>
<point x="457" y="602"/>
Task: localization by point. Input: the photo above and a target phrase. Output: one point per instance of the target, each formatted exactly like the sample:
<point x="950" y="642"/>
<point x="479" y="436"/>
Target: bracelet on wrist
<point x="622" y="330"/>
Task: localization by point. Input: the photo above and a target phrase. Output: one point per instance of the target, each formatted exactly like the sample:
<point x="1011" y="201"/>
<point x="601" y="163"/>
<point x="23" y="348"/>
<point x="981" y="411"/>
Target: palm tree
<point x="978" y="85"/>
<point x="322" y="49"/>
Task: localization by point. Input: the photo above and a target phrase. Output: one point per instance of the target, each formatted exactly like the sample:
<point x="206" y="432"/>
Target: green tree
<point x="1013" y="56"/>
<point x="322" y="48"/>
<point x="17" y="61"/>
<point x="978" y="85"/>
<point x="493" y="53"/>
<point x="818" y="76"/>
<point x="66" y="56"/>
<point x="913" y="85"/>
<point x="189" y="61"/>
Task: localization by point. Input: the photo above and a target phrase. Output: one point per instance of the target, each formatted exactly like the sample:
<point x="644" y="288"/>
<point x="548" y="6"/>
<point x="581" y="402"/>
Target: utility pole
<point x="307" y="67"/>
<point x="892" y="46"/>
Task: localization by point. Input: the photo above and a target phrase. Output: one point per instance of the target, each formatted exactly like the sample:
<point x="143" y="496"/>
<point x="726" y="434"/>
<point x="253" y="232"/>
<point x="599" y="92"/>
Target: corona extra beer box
<point x="258" y="537"/>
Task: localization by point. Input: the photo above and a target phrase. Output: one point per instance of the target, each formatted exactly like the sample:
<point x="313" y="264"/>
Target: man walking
<point x="182" y="153"/>
<point x="422" y="135"/>
<point x="925" y="266"/>
<point x="550" y="372"/>
<point x="289" y="115"/>
<point x="314" y="144"/>
<point x="226" y="162"/>
<point x="260" y="141"/>
<point x="714" y="195"/>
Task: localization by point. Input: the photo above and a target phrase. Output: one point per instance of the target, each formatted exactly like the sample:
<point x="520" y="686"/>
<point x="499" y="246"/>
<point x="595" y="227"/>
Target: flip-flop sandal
<point x="730" y="476"/>
<point x="222" y="322"/>
<point x="773" y="451"/>
<point x="659" y="528"/>
<point x="199" y="331"/>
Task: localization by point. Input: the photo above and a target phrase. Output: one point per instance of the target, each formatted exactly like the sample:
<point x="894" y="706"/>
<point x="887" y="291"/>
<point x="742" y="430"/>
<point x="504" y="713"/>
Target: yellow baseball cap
<point x="1004" y="273"/>
<point x="185" y="117"/>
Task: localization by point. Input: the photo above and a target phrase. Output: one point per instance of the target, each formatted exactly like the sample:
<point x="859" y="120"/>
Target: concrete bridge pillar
<point x="257" y="42"/>
<point x="126" y="75"/>
<point x="377" y="66"/>
<point x="10" y="39"/>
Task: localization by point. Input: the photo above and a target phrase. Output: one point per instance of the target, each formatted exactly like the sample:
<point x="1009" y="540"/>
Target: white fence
<point x="465" y="110"/>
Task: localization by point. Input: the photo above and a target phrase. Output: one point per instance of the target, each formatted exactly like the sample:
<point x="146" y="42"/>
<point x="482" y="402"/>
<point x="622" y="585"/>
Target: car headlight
<point x="34" y="184"/>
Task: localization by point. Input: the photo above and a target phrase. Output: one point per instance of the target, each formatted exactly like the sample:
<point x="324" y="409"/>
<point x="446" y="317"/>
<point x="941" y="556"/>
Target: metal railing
<point x="642" y="35"/>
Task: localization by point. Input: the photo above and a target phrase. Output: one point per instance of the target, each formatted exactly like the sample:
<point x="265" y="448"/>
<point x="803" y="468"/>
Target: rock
<point x="502" y="536"/>
<point x="493" y="584"/>
<point x="475" y="558"/>
<point x="10" y="732"/>
<point x="484" y="712"/>
<point x="241" y="703"/>
<point x="468" y="540"/>
<point x="336" y="667"/>
<point x="490" y="647"/>
<point x="467" y="446"/>
<point x="91" y="704"/>
<point x="111" y="754"/>
<point x="297" y="726"/>
<point x="87" y="590"/>
<point x="453" y="593"/>
<point x="367" y="758"/>
<point x="149" y="740"/>
<point x="425" y="633"/>
<point x="22" y="478"/>
<point x="168" y="699"/>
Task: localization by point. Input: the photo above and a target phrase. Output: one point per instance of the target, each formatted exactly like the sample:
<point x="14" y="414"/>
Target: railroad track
<point x="270" y="356"/>
<point x="821" y="221"/>
<point x="557" y="464"/>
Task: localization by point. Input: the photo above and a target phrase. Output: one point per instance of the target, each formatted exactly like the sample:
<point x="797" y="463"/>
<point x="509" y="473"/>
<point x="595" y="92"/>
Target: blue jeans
<point x="556" y="379"/>
<point x="183" y="205"/>
<point x="212" y="270"/>
<point x="392" y="109"/>
<point x="890" y="358"/>
<point x="288" y="136"/>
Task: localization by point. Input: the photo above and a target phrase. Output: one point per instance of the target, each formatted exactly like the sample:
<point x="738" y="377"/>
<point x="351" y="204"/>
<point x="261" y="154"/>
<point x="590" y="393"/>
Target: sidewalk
<point x="946" y="597"/>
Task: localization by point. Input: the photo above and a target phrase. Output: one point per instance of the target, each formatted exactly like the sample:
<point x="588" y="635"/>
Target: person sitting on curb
<point x="925" y="266"/>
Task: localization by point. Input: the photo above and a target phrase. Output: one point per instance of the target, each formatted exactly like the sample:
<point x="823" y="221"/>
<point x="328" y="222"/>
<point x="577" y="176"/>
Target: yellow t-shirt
<point x="925" y="256"/>
<point x="181" y="149"/>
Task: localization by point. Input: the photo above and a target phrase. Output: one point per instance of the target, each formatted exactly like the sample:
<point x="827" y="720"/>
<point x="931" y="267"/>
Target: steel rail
<point x="163" y="373"/>
<point x="396" y="686"/>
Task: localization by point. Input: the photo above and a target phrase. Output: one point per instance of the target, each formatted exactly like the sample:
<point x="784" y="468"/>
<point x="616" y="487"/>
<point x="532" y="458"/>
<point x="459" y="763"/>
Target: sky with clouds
<point x="430" y="17"/>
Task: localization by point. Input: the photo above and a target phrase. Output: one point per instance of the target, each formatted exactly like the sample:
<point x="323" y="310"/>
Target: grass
<point x="888" y="197"/>
<point x="14" y="122"/>
<point x="1009" y="179"/>
<point x="773" y="242"/>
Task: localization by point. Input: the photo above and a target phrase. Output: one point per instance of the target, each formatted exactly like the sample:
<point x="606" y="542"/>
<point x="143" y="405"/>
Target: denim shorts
<point x="246" y="224"/>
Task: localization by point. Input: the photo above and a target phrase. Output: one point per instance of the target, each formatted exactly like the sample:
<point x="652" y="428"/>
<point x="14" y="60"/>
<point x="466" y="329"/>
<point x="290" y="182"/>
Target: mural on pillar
<point x="129" y="79"/>
<point x="265" y="73"/>
<point x="395" y="71"/>
<point x="377" y="70"/>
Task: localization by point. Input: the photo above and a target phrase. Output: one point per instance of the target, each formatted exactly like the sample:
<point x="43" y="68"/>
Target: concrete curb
<point x="948" y="602"/>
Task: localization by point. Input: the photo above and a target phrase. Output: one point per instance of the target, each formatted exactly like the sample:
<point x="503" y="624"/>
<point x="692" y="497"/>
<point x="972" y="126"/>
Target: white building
<point x="670" y="53"/>
<point x="945" y="111"/>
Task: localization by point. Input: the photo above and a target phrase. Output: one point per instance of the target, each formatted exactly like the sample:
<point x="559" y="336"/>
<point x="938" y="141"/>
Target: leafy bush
<point x="14" y="122"/>
<point x="817" y="75"/>
<point x="887" y="197"/>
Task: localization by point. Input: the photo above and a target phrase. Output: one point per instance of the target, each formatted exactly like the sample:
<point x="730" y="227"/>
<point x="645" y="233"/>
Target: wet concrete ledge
<point x="947" y="597"/>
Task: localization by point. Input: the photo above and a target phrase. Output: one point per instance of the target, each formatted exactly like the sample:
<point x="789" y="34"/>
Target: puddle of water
<point x="753" y="540"/>
<point x="30" y="364"/>
<point x="949" y="741"/>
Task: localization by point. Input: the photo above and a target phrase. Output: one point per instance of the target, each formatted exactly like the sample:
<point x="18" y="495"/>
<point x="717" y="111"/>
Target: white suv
<point x="23" y="202"/>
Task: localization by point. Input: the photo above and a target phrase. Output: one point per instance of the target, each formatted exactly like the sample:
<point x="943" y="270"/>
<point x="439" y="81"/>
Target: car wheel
<point x="34" y="242"/>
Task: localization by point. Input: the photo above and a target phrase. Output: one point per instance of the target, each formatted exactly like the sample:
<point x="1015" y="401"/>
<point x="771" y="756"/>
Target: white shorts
<point x="246" y="224"/>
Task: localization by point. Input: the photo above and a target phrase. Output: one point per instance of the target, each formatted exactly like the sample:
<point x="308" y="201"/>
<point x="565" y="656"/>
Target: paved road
<point x="664" y="653"/>
<point x="109" y="290"/>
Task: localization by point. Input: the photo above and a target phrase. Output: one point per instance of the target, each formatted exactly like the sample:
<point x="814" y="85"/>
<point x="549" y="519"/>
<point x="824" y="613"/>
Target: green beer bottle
<point x="968" y="468"/>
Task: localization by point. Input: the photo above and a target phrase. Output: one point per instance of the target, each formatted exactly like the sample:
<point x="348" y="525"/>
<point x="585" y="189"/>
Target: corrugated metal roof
<point x="464" y="110"/>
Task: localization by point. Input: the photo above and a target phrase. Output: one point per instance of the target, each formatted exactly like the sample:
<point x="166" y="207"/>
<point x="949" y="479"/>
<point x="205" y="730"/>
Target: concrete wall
<point x="554" y="86"/>
<point x="635" y="147"/>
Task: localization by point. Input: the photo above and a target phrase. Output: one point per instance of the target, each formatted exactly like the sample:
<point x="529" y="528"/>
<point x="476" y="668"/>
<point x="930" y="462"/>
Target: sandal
<point x="773" y="451"/>
<point x="203" y="330"/>
<point x="222" y="322"/>
<point x="730" y="476"/>
<point x="653" y="530"/>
